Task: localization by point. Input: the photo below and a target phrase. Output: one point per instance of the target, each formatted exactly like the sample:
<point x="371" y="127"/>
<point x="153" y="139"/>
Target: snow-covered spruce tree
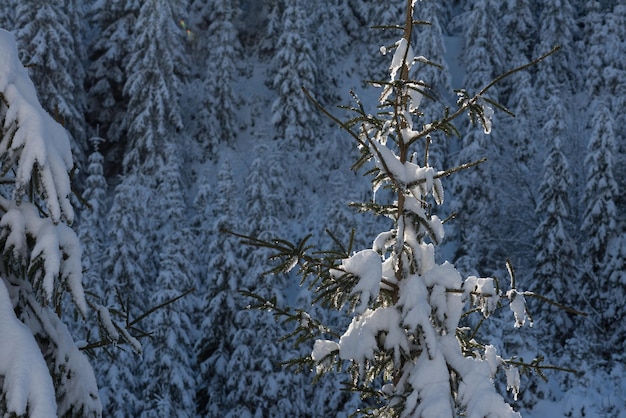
<point x="7" y="15"/>
<point x="268" y="42"/>
<point x="157" y="68"/>
<point x="556" y="259"/>
<point x="474" y="198"/>
<point x="596" y="56"/>
<point x="91" y="227"/>
<point x="221" y="103"/>
<point x="42" y="372"/>
<point x="602" y="247"/>
<point x="600" y="217"/>
<point x="107" y="72"/>
<point x="519" y="22"/>
<point x="126" y="265"/>
<point x="556" y="27"/>
<point x="53" y="54"/>
<point x="329" y="46"/>
<point x="610" y="329"/>
<point x="293" y="67"/>
<point x="168" y="381"/>
<point x="404" y="348"/>
<point x="516" y="183"/>
<point x="220" y="300"/>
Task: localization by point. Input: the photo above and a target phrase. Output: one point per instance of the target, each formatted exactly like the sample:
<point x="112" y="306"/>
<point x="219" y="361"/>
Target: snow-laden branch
<point x="32" y="141"/>
<point x="27" y="385"/>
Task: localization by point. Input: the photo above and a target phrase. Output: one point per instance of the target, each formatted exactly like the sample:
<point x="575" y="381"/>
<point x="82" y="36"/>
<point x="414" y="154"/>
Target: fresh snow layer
<point x="27" y="382"/>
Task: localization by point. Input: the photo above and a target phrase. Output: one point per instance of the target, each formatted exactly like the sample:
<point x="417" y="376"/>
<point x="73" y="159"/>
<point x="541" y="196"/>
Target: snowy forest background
<point x="187" y="118"/>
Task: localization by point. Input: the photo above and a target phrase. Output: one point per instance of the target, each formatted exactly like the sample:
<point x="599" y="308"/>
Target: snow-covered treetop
<point x="32" y="141"/>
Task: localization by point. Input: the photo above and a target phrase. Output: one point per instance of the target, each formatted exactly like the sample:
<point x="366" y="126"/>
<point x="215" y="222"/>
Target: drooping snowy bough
<point x="42" y="372"/>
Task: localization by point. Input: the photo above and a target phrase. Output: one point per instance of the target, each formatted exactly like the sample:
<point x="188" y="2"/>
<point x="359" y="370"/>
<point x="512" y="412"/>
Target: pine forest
<point x="326" y="208"/>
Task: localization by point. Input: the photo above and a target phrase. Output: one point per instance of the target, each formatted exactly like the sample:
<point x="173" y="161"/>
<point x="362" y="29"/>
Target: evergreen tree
<point x="596" y="37"/>
<point x="264" y="203"/>
<point x="556" y="26"/>
<point x="516" y="184"/>
<point x="602" y="247"/>
<point x="348" y="19"/>
<point x="7" y="16"/>
<point x="108" y="69"/>
<point x="600" y="216"/>
<point x="221" y="300"/>
<point x="257" y="385"/>
<point x="614" y="73"/>
<point x="222" y="104"/>
<point x="91" y="228"/>
<point x="154" y="86"/>
<point x="43" y="373"/>
<point x="168" y="354"/>
<point x="329" y="48"/>
<point x="53" y="54"/>
<point x="405" y="351"/>
<point x="273" y="28"/>
<point x="475" y="192"/>
<point x="609" y="327"/>
<point x="92" y="234"/>
<point x="374" y="16"/>
<point x="127" y="266"/>
<point x="483" y="52"/>
<point x="556" y="268"/>
<point x="519" y="23"/>
<point x="293" y="116"/>
<point x="615" y="76"/>
<point x="278" y="393"/>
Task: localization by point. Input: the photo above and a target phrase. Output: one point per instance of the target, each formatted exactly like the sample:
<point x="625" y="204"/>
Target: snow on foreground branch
<point x="42" y="372"/>
<point x="406" y="349"/>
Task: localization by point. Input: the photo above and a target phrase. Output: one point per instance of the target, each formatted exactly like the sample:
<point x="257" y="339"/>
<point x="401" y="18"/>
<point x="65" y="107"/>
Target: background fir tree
<point x="55" y="60"/>
<point x="556" y="27"/>
<point x="91" y="232"/>
<point x="429" y="40"/>
<point x="599" y="229"/>
<point x="7" y="16"/>
<point x="295" y="124"/>
<point x="517" y="184"/>
<point x="556" y="261"/>
<point x="91" y="227"/>
<point x="608" y="318"/>
<point x="474" y="193"/>
<point x="595" y="34"/>
<point x="221" y="300"/>
<point x="169" y="353"/>
<point x="127" y="267"/>
<point x="519" y="19"/>
<point x="599" y="219"/>
<point x="616" y="83"/>
<point x="221" y="103"/>
<point x="154" y="86"/>
<point x="329" y="48"/>
<point x="107" y="72"/>
<point x="293" y="116"/>
<point x="272" y="28"/>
